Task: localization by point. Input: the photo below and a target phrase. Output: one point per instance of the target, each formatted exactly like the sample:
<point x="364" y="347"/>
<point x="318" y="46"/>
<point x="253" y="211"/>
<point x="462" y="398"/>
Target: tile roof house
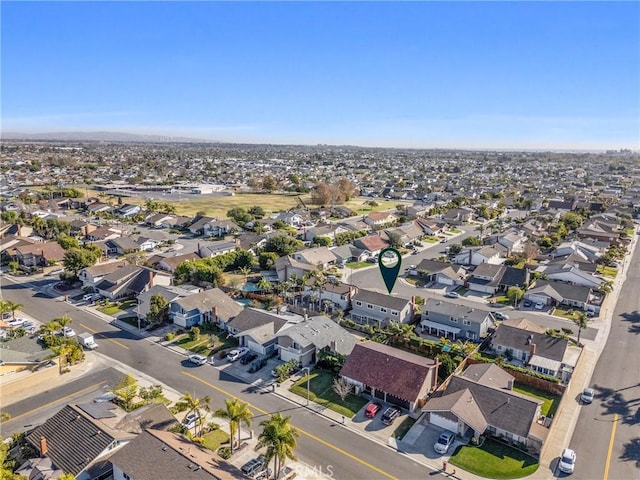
<point x="321" y="257"/>
<point x="380" y="219"/>
<point x="288" y="266"/>
<point x="482" y="401"/>
<point x="197" y="226"/>
<point x="390" y="374"/>
<point x="379" y="309"/>
<point x="257" y="329"/>
<point x="38" y="254"/>
<point x="447" y="319"/>
<point x="373" y="243"/>
<point x="157" y="455"/>
<point x="74" y="440"/>
<point x="537" y="351"/>
<point x="208" y="306"/>
<point x="441" y="272"/>
<point x="169" y="264"/>
<point x="304" y="341"/>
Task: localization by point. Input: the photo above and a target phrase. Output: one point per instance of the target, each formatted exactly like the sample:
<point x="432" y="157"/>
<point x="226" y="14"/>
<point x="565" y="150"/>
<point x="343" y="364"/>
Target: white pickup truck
<point x="87" y="341"/>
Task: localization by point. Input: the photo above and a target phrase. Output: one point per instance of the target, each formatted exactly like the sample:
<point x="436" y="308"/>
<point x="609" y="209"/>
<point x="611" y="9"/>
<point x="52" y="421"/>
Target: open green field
<point x="494" y="460"/>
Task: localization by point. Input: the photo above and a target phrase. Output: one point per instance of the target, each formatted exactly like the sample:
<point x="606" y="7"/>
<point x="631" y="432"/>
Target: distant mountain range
<point x="101" y="137"/>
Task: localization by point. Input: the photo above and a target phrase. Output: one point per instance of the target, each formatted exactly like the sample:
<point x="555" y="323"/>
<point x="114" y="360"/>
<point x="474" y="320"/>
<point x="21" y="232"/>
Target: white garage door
<point x="285" y="355"/>
<point x="255" y="347"/>
<point x="445" y="423"/>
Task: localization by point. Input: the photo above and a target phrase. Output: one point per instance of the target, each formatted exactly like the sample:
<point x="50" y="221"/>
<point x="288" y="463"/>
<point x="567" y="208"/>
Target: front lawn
<point x="570" y="313"/>
<point x="607" y="271"/>
<point x="321" y="392"/>
<point x="550" y="400"/>
<point x="430" y="239"/>
<point x="356" y="265"/>
<point x="203" y="345"/>
<point x="494" y="460"/>
<point x="215" y="439"/>
<point x="112" y="309"/>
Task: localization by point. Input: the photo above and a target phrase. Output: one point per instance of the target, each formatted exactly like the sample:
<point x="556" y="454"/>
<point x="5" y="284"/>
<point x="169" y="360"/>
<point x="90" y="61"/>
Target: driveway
<point x="374" y="426"/>
<point x="419" y="440"/>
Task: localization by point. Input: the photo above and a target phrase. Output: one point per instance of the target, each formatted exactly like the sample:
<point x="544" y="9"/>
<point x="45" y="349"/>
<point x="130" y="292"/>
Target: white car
<point x="237" y="353"/>
<point x="190" y="420"/>
<point x="16" y="322"/>
<point x="451" y="295"/>
<point x="587" y="395"/>
<point x="539" y="306"/>
<point x="197" y="359"/>
<point x="444" y="441"/>
<point x="500" y="315"/>
<point x="68" y="332"/>
<point x="567" y="461"/>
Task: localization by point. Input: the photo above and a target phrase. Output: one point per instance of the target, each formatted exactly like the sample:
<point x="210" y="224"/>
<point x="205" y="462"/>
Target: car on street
<point x="444" y="441"/>
<point x="190" y="420"/>
<point x="68" y="332"/>
<point x="248" y="358"/>
<point x="197" y="359"/>
<point x="567" y="461"/>
<point x="527" y="303"/>
<point x="451" y="295"/>
<point x="16" y="322"/>
<point x="253" y="466"/>
<point x="500" y="315"/>
<point x="237" y="353"/>
<point x="587" y="395"/>
<point x="390" y="414"/>
<point x="372" y="409"/>
<point x="539" y="306"/>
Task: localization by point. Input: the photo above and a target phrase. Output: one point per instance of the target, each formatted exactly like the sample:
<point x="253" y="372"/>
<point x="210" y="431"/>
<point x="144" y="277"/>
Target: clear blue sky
<point x="486" y="75"/>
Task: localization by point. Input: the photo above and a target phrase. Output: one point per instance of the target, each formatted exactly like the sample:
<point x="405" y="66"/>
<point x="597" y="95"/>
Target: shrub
<point x="224" y="452"/>
<point x="169" y="336"/>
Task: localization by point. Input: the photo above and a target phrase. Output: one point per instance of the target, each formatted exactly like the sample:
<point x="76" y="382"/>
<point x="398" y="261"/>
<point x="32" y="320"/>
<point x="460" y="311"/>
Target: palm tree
<point x="192" y="404"/>
<point x="12" y="307"/>
<point x="236" y="412"/>
<point x="279" y="437"/>
<point x="246" y="270"/>
<point x="581" y="322"/>
<point x="605" y="287"/>
<point x="265" y="285"/>
<point x="63" y="321"/>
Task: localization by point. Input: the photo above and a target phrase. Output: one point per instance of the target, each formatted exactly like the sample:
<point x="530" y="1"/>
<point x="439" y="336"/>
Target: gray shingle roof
<point x="227" y="308"/>
<point x="322" y="332"/>
<point x="454" y="310"/>
<point x="381" y="299"/>
<point x="517" y="338"/>
<point x="251" y="318"/>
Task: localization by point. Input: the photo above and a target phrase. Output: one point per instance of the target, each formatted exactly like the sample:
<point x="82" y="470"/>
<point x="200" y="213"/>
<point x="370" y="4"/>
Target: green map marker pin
<point x="389" y="274"/>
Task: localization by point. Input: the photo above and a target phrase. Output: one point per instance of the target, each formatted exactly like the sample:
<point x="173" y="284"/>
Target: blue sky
<point x="441" y="74"/>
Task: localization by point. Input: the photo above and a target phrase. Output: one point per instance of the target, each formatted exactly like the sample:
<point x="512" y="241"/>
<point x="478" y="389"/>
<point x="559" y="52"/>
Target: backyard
<point x="550" y="400"/>
<point x="607" y="271"/>
<point x="321" y="392"/>
<point x="494" y="460"/>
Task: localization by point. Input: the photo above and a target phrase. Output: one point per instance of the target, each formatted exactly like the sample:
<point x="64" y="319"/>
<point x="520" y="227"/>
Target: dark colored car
<point x="248" y="358"/>
<point x="390" y="414"/>
<point x="258" y="364"/>
<point x="527" y="303"/>
<point x="253" y="466"/>
<point x="372" y="409"/>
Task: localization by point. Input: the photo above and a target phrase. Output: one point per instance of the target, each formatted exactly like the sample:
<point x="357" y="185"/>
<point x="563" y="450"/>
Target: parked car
<point x="390" y="414"/>
<point x="197" y="359"/>
<point x="57" y="271"/>
<point x="237" y="353"/>
<point x="258" y="364"/>
<point x="105" y="397"/>
<point x="444" y="441"/>
<point x="372" y="409"/>
<point x="527" y="303"/>
<point x="567" y="461"/>
<point x="264" y="475"/>
<point x="68" y="332"/>
<point x="16" y="322"/>
<point x="190" y="420"/>
<point x="451" y="295"/>
<point x="248" y="358"/>
<point x="253" y="466"/>
<point x="500" y="315"/>
<point x="539" y="306"/>
<point x="587" y="395"/>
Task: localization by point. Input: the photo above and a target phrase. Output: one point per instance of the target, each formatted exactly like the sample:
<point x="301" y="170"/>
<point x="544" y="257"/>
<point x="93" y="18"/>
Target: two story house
<point x="209" y="306"/>
<point x="452" y="320"/>
<point x="373" y="308"/>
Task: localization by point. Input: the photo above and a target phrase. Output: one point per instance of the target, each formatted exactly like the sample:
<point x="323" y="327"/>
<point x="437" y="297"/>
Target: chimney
<point x="43" y="446"/>
<point x="510" y="384"/>
<point x="532" y="350"/>
<point x="214" y="310"/>
<point x="150" y="279"/>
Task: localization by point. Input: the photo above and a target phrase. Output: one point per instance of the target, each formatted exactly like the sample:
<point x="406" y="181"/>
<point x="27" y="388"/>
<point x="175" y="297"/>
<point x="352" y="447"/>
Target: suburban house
<point x="74" y="440"/>
<point x="147" y="244"/>
<point x="170" y="293"/>
<point x="349" y="253"/>
<point x="535" y="350"/>
<point x="157" y="219"/>
<point x="217" y="248"/>
<point x="208" y="306"/>
<point x="251" y="242"/>
<point x="379" y="309"/>
<point x="38" y="254"/>
<point x="431" y="226"/>
<point x="169" y="264"/>
<point x="390" y="374"/>
<point x="121" y="246"/>
<point x="23" y="353"/>
<point x="219" y="228"/>
<point x="128" y="281"/>
<point x="329" y="230"/>
<point x="158" y="454"/>
<point x="452" y="320"/>
<point x="481" y="401"/>
<point x="571" y="274"/>
<point x="91" y="276"/>
<point x="601" y="231"/>
<point x="575" y="260"/>
<point x="513" y="242"/>
<point x="257" y="330"/>
<point x="490" y="278"/>
<point x="478" y="255"/>
<point x="588" y="252"/>
<point x="559" y="293"/>
<point x="292" y="218"/>
<point x="304" y="341"/>
<point x="458" y="216"/>
<point x="288" y="266"/>
<point x="441" y="272"/>
<point x="373" y="243"/>
<point x="103" y="233"/>
<point x="338" y="294"/>
<point x="198" y="224"/>
<point x="408" y="233"/>
<point x="380" y="219"/>
<point x="321" y="257"/>
<point x="128" y="210"/>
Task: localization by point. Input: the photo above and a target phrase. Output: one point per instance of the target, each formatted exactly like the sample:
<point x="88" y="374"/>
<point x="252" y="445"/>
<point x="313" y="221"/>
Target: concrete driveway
<point x="419" y="440"/>
<point x="374" y="426"/>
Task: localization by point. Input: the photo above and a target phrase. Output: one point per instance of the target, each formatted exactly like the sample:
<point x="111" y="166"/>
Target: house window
<point x="369" y="306"/>
<point x="358" y="303"/>
<point x="453" y="319"/>
<point x="383" y="310"/>
<point x="395" y="314"/>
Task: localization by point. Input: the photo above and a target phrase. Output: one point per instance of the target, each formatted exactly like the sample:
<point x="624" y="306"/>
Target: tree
<point x="239" y="215"/>
<point x="605" y="287"/>
<point x="10" y="306"/>
<point x="530" y="251"/>
<point x="582" y="321"/>
<point x="257" y="211"/>
<point x="322" y="241"/>
<point x="346" y="188"/>
<point x="265" y="285"/>
<point x="395" y="239"/>
<point x="236" y="412"/>
<point x="342" y="387"/>
<point x="158" y="309"/>
<point x="279" y="438"/>
<point x="455" y="249"/>
<point x="194" y="334"/>
<point x="67" y="242"/>
<point x="514" y="294"/>
<point x="192" y="404"/>
<point x="63" y="321"/>
<point x="321" y="194"/>
<point x="126" y="389"/>
<point x="269" y="183"/>
<point x="267" y="260"/>
<point x="150" y="393"/>
<point x="282" y="245"/>
<point x="471" y="242"/>
<point x="246" y="270"/>
<point x="75" y="259"/>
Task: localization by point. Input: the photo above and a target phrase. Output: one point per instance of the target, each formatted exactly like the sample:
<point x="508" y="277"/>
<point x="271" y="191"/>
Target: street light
<point x="308" y="376"/>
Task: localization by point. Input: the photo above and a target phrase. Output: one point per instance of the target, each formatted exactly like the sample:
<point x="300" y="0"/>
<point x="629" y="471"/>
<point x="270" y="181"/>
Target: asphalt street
<point x="322" y="443"/>
<point x="607" y="436"/>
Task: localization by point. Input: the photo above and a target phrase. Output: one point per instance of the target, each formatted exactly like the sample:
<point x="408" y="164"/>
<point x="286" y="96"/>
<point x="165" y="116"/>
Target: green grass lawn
<point x="607" y="271"/>
<point x="356" y="265"/>
<point x="564" y="312"/>
<point x="403" y="428"/>
<point x="118" y="307"/>
<point x="494" y="460"/>
<point x="215" y="439"/>
<point x="202" y="345"/>
<point x="321" y="392"/>
<point x="551" y="401"/>
<point x="429" y="239"/>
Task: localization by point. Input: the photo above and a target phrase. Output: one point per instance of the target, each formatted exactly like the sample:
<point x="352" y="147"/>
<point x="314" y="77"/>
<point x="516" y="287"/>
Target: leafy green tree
<point x="236" y="412"/>
<point x="257" y="211"/>
<point x="282" y="245"/>
<point x="67" y="242"/>
<point x="455" y="249"/>
<point x="572" y="220"/>
<point x="194" y="334"/>
<point x="395" y="239"/>
<point x="151" y="393"/>
<point x="126" y="389"/>
<point x="269" y="183"/>
<point x="158" y="309"/>
<point x="10" y="306"/>
<point x="514" y="294"/>
<point x="75" y="259"/>
<point x="63" y="321"/>
<point x="279" y="438"/>
<point x="471" y="242"/>
<point x="267" y="260"/>
<point x="239" y="215"/>
<point x="322" y="241"/>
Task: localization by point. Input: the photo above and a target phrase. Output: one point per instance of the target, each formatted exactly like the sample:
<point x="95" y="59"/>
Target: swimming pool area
<point x="249" y="287"/>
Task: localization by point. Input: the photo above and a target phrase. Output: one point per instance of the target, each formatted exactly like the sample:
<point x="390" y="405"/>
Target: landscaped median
<point x="321" y="392"/>
<point x="494" y="460"/>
